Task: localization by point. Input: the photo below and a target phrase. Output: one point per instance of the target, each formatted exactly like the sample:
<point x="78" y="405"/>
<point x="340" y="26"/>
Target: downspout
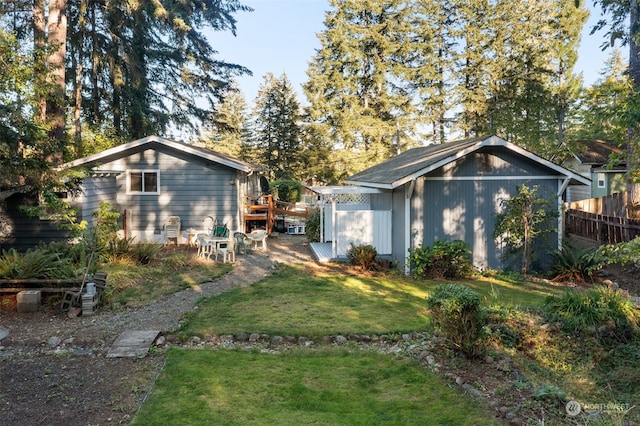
<point x="562" y="188"/>
<point x="407" y="222"/>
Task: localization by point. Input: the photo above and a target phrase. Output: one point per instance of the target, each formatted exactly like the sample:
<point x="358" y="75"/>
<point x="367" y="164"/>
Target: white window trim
<point x="602" y="180"/>
<point x="128" y="183"/>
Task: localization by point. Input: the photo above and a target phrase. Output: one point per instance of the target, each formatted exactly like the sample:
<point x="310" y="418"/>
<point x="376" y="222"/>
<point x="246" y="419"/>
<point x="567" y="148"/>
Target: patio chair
<point x="226" y="250"/>
<point x="242" y="242"/>
<point x="259" y="235"/>
<point x="205" y="245"/>
<point x="208" y="224"/>
<point x="220" y="231"/>
<point x="172" y="229"/>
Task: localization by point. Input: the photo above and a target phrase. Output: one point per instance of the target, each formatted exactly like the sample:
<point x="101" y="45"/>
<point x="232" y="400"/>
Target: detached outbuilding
<point x="150" y="179"/>
<point x="454" y="191"/>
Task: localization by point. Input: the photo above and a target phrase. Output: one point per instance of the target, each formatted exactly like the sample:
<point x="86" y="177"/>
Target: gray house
<point x="453" y="191"/>
<point x="603" y="163"/>
<point x="150" y="179"/>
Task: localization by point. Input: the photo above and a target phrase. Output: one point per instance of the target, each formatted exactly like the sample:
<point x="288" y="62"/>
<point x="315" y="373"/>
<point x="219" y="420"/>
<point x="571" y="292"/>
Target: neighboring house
<point x="20" y="231"/>
<point x="150" y="179"/>
<point x="601" y="162"/>
<point x="454" y="191"/>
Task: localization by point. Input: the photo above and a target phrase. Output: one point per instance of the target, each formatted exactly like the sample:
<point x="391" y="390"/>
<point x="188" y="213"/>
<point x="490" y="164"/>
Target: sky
<point x="280" y="36"/>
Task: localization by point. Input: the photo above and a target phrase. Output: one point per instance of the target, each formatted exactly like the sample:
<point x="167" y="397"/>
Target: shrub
<point x="622" y="253"/>
<point x="601" y="310"/>
<point x="443" y="260"/>
<point x="144" y="253"/>
<point x="313" y="226"/>
<point x="363" y="255"/>
<point x="457" y="314"/>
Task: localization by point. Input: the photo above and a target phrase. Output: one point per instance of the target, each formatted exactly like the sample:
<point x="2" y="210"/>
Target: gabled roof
<point x="596" y="152"/>
<point x="413" y="163"/>
<point x="154" y="141"/>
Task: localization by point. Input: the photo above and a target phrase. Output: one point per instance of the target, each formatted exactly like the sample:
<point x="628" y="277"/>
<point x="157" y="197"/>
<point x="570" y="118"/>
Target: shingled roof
<point x="413" y="163"/>
<point x="152" y="141"/>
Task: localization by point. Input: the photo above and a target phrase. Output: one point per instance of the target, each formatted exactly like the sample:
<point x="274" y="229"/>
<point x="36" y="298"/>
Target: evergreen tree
<point x="355" y="87"/>
<point x="624" y="27"/>
<point x="277" y="128"/>
<point x="25" y="146"/>
<point x="598" y="115"/>
<point x="229" y="131"/>
<point x="134" y="68"/>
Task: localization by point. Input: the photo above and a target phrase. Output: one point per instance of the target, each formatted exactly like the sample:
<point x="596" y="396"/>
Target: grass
<point x="293" y="302"/>
<point x="170" y="272"/>
<point x="328" y="386"/>
<point x="325" y="385"/>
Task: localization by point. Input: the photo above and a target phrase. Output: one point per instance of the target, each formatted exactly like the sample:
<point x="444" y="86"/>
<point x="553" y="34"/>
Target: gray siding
<point x="188" y="187"/>
<point x="398" y="228"/>
<point x="96" y="189"/>
<point x="466" y="210"/>
<point x="485" y="162"/>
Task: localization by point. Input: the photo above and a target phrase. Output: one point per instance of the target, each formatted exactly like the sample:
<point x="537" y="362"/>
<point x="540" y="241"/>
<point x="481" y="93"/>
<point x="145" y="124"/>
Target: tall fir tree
<point x="131" y="68"/>
<point x="598" y="113"/>
<point x="355" y="87"/>
<point x="277" y="128"/>
<point x="624" y="26"/>
<point x="229" y="131"/>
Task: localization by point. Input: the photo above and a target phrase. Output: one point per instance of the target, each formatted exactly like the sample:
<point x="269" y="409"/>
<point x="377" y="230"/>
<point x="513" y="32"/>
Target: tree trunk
<point x="39" y="31"/>
<point x="78" y="80"/>
<point x="57" y="42"/>
<point x="632" y="132"/>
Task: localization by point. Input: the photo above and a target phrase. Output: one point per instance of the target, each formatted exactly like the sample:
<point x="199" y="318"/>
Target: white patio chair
<point x="259" y="235"/>
<point x="205" y="245"/>
<point x="172" y="229"/>
<point x="226" y="250"/>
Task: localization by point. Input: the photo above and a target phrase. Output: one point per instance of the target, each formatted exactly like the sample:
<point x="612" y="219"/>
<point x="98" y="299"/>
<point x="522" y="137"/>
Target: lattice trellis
<point x="348" y="199"/>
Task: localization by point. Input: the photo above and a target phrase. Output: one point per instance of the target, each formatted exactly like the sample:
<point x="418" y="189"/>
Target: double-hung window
<point x="601" y="180"/>
<point x="143" y="182"/>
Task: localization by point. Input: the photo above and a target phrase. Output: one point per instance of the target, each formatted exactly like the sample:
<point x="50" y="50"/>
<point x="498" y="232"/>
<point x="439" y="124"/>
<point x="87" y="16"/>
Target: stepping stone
<point x="132" y="344"/>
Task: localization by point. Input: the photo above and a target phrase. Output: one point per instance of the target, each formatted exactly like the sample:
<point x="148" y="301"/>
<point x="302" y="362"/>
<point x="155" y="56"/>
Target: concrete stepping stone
<point x="132" y="344"/>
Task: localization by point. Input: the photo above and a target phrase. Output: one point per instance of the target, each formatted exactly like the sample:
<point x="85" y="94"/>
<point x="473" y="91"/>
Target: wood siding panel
<point x="95" y="190"/>
<point x="491" y="163"/>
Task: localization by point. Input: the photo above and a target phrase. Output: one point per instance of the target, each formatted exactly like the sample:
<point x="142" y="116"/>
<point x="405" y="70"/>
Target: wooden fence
<point x="604" y="229"/>
<point x="606" y="220"/>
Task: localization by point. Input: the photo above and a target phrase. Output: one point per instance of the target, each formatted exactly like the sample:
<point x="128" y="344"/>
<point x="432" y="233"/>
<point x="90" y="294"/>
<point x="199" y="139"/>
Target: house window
<point x="143" y="181"/>
<point x="601" y="180"/>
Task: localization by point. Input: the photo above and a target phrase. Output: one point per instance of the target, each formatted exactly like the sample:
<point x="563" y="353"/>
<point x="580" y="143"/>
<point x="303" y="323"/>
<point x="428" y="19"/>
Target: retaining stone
<point x="29" y="301"/>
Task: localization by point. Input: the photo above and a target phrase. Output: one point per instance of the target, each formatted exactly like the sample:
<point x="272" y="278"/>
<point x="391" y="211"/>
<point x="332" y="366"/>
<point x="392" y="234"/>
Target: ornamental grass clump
<point x="34" y="264"/>
<point x="606" y="312"/>
<point x="458" y="316"/>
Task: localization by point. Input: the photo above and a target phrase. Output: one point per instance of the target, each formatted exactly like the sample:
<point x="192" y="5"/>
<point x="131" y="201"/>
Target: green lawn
<point x="324" y="387"/>
<point x="294" y="302"/>
<point x="324" y="384"/>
